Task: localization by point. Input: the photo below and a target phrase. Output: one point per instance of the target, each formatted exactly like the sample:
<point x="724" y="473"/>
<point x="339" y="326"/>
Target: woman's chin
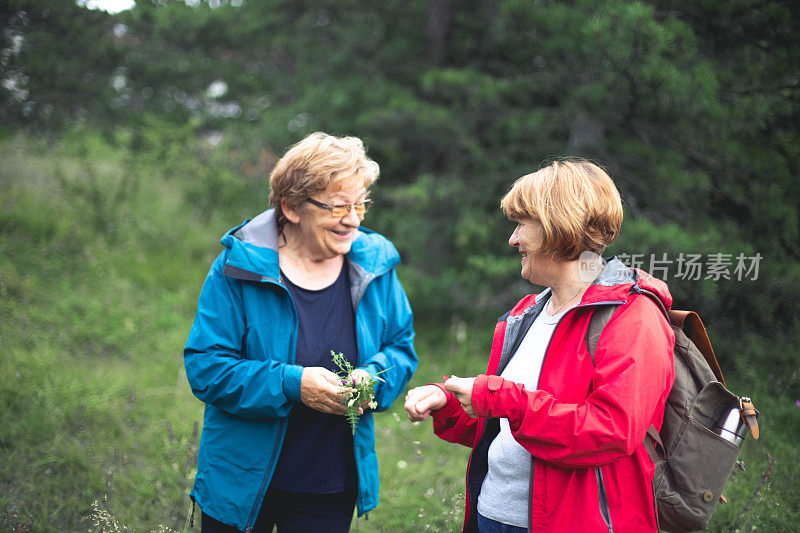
<point x="339" y="248"/>
<point x="527" y="275"/>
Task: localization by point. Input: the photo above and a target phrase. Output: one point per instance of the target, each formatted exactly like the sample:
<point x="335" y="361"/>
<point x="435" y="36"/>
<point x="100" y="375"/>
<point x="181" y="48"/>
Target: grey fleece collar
<point x="615" y="273"/>
<point x="261" y="231"/>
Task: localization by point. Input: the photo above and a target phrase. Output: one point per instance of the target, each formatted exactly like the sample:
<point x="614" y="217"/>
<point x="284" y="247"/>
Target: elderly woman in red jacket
<point x="557" y="436"/>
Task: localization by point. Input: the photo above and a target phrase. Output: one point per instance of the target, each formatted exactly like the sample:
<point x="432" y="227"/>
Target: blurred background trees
<point x="693" y="106"/>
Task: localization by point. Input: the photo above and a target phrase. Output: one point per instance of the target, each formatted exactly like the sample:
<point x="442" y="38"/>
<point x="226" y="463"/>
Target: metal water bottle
<point x="731" y="427"/>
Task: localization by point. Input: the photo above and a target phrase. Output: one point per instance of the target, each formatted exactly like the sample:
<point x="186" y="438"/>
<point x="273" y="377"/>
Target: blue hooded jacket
<point x="240" y="361"/>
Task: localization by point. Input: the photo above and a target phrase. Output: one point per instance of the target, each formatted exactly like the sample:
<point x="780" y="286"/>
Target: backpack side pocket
<point x="699" y="464"/>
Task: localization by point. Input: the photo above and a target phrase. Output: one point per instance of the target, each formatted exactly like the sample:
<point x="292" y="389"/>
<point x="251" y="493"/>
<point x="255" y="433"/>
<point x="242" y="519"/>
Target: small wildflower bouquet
<point x="357" y="390"/>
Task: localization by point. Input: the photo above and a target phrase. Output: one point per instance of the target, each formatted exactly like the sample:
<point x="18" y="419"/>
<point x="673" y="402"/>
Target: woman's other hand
<point x="321" y="389"/>
<point x="462" y="389"/>
<point x="422" y="400"/>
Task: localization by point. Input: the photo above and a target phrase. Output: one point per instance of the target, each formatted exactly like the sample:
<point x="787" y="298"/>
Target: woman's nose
<point x="514" y="239"/>
<point x="352" y="218"/>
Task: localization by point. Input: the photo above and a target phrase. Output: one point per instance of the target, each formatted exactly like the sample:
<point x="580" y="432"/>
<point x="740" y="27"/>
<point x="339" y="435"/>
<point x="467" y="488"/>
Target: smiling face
<point x="527" y="239"/>
<point x="321" y="235"/>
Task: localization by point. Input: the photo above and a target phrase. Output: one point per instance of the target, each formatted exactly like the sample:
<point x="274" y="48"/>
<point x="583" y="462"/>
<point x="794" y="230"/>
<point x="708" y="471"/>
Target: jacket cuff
<point x="483" y="391"/>
<point x="291" y="382"/>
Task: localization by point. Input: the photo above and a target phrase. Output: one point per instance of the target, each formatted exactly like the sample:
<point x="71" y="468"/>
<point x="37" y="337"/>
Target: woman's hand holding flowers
<point x="357" y="387"/>
<point x="320" y="389"/>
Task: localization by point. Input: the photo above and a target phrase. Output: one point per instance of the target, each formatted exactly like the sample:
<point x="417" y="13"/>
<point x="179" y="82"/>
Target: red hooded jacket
<point x="585" y="425"/>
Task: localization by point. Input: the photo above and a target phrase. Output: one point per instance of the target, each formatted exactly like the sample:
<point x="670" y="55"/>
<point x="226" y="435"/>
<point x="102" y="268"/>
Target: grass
<point x="422" y="477"/>
<point x="102" y="255"/>
<point x="93" y="320"/>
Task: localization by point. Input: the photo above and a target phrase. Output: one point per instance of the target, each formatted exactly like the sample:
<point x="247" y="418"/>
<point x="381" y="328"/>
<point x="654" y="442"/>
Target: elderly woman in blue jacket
<point x="293" y="284"/>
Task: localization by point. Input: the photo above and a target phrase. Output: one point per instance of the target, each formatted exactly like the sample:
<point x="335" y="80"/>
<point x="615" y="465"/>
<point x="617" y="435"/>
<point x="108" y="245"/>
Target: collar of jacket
<point x="610" y="287"/>
<point x="253" y="253"/>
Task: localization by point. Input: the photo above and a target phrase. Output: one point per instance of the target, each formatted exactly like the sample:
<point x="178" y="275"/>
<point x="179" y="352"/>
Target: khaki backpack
<point x="693" y="458"/>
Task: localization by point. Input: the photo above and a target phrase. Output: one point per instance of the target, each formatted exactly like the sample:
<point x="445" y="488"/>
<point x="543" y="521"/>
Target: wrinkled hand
<point x="462" y="389"/>
<point x="320" y="389"/>
<point x="422" y="400"/>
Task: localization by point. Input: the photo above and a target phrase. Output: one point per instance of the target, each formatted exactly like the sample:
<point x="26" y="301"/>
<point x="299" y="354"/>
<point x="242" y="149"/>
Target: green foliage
<point x="61" y="58"/>
<point x="93" y="318"/>
<point x="456" y="106"/>
<point x="93" y="389"/>
<point x="149" y="133"/>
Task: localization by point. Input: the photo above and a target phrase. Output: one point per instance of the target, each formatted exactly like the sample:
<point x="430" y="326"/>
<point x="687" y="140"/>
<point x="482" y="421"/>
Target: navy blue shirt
<point x="317" y="454"/>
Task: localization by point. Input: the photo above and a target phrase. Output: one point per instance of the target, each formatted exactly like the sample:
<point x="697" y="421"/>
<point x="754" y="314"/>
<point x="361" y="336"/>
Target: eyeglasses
<point x="342" y="210"/>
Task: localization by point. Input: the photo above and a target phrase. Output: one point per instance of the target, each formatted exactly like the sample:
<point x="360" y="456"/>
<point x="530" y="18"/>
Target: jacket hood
<point x="611" y="286"/>
<point x="616" y="280"/>
<point x="253" y="250"/>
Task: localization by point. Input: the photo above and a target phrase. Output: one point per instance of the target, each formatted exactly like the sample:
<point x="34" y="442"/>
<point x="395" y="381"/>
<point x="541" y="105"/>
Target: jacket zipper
<point x="546" y="351"/>
<point x="262" y="489"/>
<point x="605" y="512"/>
<point x="362" y="290"/>
<point x="530" y="498"/>
<point x="281" y="430"/>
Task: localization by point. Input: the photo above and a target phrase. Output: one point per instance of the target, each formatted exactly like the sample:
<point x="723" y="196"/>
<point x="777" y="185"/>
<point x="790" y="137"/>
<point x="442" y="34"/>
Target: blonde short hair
<point x="576" y="203"/>
<point x="315" y="163"/>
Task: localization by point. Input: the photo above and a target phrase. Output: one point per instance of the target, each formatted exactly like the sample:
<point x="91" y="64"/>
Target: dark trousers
<point x="487" y="525"/>
<point x="294" y="512"/>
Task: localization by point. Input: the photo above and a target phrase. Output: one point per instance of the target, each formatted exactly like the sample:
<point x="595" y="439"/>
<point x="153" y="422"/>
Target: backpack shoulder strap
<point x="602" y="315"/>
<point x="600" y="318"/>
<point x="654" y="297"/>
<point x="656" y="454"/>
<point x="693" y="327"/>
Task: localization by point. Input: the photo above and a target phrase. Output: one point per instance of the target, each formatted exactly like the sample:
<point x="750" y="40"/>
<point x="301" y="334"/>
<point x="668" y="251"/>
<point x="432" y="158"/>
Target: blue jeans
<point x="487" y="525"/>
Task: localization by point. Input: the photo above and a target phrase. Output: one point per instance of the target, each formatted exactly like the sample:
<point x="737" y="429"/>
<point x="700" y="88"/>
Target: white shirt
<point x="504" y="495"/>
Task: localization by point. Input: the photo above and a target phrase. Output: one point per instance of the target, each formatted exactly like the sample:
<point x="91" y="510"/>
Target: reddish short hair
<point x="575" y="201"/>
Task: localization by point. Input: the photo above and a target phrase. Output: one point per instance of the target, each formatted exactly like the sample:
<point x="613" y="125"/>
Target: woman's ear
<point x="291" y="214"/>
